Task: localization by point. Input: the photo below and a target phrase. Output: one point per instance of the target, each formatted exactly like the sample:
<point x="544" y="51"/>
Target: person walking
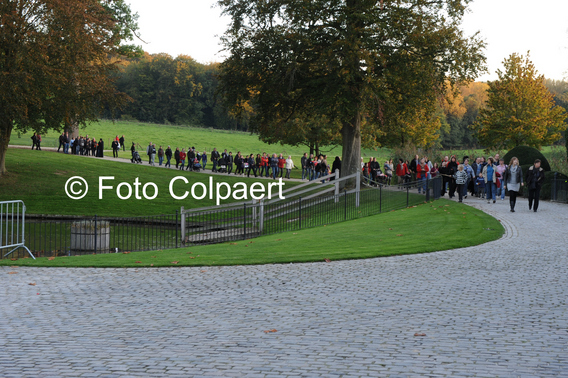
<point x="182" y="156"/>
<point x="490" y="177"/>
<point x="152" y="154"/>
<point x="461" y="181"/>
<point x="168" y="157"/>
<point x="160" y="156"/>
<point x="535" y="179"/>
<point x="121" y="141"/>
<point x="289" y="166"/>
<point x="501" y="168"/>
<point x="513" y="181"/>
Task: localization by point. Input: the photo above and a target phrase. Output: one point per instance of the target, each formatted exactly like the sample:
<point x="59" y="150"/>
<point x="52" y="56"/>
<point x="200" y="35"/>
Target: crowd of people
<point x="485" y="178"/>
<point x="260" y="165"/>
<point x="87" y="146"/>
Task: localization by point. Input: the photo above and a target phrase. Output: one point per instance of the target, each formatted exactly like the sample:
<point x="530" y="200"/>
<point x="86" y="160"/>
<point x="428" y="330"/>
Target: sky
<point x="194" y="27"/>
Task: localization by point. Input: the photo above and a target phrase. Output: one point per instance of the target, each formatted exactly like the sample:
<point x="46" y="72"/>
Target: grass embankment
<point x="430" y="227"/>
<point x="38" y="178"/>
<point x="184" y="137"/>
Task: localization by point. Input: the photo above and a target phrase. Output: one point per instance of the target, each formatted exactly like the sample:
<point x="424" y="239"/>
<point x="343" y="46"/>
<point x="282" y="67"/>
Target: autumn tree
<point x="346" y="59"/>
<point x="55" y="62"/>
<point x="520" y="109"/>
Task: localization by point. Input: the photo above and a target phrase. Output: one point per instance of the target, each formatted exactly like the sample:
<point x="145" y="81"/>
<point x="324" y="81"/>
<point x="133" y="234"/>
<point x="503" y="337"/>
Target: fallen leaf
<point x="138" y="262"/>
<point x="13" y="259"/>
<point x="399" y="235"/>
<point x="246" y="245"/>
<point x="191" y="257"/>
<point x="189" y="253"/>
<point x="295" y="233"/>
<point x="12" y="272"/>
<point x="420" y="334"/>
<point x="281" y="239"/>
<point x="175" y="262"/>
<point x="327" y="260"/>
<point x="32" y="284"/>
<point x="390" y="229"/>
<point x="203" y="271"/>
<point x="270" y="331"/>
<point x="51" y="258"/>
<point x="250" y="242"/>
<point x="233" y="243"/>
<point x="151" y="264"/>
<point x="125" y="252"/>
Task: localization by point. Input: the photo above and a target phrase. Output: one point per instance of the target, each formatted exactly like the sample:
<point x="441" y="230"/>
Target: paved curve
<point x="498" y="309"/>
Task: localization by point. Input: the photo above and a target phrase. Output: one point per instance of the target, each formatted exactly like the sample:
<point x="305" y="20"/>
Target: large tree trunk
<point x="351" y="162"/>
<point x="5" y="132"/>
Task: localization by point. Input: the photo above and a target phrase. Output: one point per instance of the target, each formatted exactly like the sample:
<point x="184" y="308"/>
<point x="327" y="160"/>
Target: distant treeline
<point x="181" y="91"/>
<point x="168" y="90"/>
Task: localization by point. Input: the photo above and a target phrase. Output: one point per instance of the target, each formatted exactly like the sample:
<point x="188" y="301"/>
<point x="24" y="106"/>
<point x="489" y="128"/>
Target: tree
<point x="520" y="109"/>
<point x="352" y="61"/>
<point x="56" y="58"/>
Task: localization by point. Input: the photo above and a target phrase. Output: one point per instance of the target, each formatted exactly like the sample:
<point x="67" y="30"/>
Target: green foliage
<point x="520" y="109"/>
<point x="350" y="241"/>
<point x="527" y="155"/>
<point x="374" y="68"/>
<point x="56" y="63"/>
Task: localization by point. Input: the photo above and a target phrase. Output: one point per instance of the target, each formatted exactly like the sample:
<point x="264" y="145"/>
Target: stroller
<point x="196" y="165"/>
<point x="136" y="158"/>
<point x="222" y="166"/>
<point x="480" y="187"/>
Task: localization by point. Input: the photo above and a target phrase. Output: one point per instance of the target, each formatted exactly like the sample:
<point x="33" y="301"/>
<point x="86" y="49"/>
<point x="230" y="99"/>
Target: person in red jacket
<point x="182" y="156"/>
<point x="265" y="166"/>
<point x="281" y="164"/>
<point x="422" y="170"/>
<point x="402" y="172"/>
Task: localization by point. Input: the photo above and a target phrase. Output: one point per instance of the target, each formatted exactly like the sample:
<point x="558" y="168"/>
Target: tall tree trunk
<point x="5" y="132"/>
<point x="351" y="161"/>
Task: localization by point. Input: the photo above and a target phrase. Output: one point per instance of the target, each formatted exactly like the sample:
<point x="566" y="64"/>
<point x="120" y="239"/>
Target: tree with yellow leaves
<point x="520" y="109"/>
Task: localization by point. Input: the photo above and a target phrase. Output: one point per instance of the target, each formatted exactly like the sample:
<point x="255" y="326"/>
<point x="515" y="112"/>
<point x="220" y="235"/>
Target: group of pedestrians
<point x="81" y="145"/>
<point x="486" y="179"/>
<point x="264" y="165"/>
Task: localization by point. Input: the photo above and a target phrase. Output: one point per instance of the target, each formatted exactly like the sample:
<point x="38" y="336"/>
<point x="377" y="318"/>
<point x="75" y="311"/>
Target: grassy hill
<point x="39" y="177"/>
<point x="184" y="137"/>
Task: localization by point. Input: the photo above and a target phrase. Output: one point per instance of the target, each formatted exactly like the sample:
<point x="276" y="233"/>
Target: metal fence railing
<point x="559" y="189"/>
<point x="310" y="206"/>
<point x="47" y="236"/>
<point x="248" y="220"/>
<point x="12" y="227"/>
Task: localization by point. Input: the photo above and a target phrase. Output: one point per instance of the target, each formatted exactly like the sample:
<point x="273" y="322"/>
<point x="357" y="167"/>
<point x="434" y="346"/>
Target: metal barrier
<point x="12" y="226"/>
<point x="559" y="188"/>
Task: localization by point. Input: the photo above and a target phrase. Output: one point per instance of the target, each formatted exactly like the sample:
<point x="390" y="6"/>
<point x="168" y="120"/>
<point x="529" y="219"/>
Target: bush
<point x="527" y="156"/>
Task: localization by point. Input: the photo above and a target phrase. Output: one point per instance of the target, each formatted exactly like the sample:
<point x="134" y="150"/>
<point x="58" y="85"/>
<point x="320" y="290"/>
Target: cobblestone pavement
<point x="498" y="309"/>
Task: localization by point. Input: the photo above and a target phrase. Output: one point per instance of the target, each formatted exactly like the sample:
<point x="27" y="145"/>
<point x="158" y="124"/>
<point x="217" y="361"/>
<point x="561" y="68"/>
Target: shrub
<point x="527" y="156"/>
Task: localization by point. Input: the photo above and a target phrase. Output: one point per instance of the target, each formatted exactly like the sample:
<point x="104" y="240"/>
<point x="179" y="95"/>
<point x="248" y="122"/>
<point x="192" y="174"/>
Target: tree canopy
<point x="56" y="58"/>
<point x="520" y="109"/>
<point x="372" y="67"/>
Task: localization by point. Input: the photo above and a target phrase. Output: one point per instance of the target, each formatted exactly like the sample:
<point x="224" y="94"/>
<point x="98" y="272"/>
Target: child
<point x="480" y="187"/>
<point x="461" y="180"/>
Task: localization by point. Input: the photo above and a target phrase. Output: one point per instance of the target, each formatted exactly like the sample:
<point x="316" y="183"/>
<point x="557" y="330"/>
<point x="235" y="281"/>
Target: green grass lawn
<point x="184" y="137"/>
<point x="436" y="226"/>
<point x="38" y="178"/>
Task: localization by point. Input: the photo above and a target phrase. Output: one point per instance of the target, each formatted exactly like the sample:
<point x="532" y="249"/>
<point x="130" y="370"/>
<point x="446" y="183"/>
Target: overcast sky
<point x="193" y="27"/>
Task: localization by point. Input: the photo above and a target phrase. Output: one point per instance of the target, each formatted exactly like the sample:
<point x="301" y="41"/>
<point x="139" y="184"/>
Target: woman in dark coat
<point x="101" y="148"/>
<point x="336" y="165"/>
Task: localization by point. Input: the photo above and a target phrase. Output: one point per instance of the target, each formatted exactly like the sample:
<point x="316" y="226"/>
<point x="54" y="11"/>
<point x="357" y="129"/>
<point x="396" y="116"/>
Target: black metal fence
<point x="559" y="189"/>
<point x="47" y="237"/>
<point x="251" y="220"/>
